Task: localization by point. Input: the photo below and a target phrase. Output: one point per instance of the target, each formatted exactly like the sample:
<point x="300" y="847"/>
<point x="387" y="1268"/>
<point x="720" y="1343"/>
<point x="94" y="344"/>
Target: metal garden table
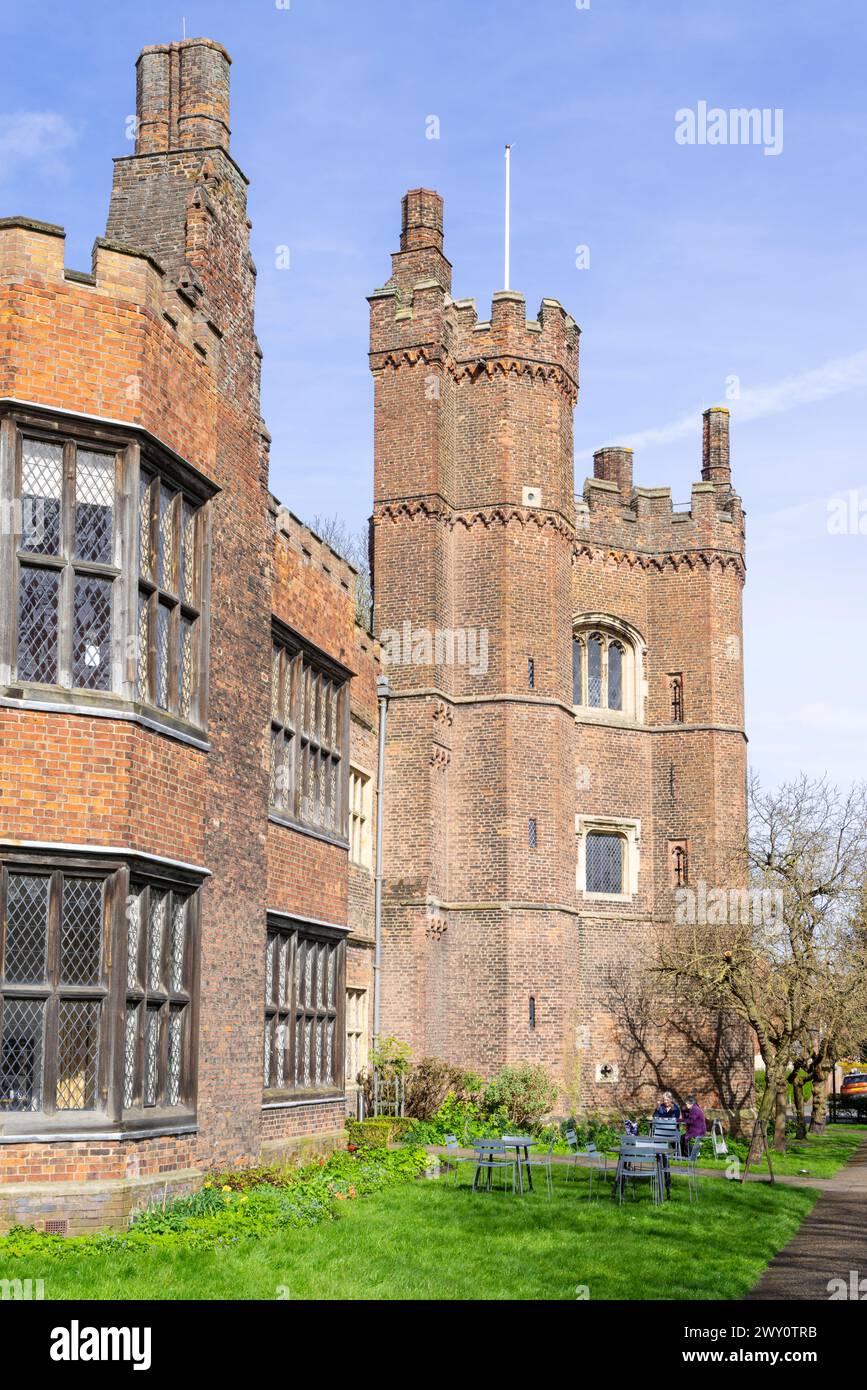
<point x="521" y="1143"/>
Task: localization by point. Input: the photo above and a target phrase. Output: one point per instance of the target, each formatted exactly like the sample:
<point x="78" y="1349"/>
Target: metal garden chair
<point x="452" y="1147"/>
<point x="689" y="1167"/>
<point x="571" y="1138"/>
<point x="640" y="1168"/>
<point x="544" y="1161"/>
<point x="492" y="1157"/>
<point x="598" y="1164"/>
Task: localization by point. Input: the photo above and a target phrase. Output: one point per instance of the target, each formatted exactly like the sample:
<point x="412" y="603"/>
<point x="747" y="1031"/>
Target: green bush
<point x="237" y="1206"/>
<point x="526" y="1093"/>
<point x="378" y="1131"/>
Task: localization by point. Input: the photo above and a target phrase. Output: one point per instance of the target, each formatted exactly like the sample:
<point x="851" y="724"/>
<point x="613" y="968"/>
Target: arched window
<point x="607" y="665"/>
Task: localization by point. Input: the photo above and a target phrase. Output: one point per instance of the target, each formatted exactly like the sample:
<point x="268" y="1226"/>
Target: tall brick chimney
<point x="182" y="97"/>
<point x="182" y="198"/>
<point x="615" y="466"/>
<point x="715" y="466"/>
<point x="420" y="257"/>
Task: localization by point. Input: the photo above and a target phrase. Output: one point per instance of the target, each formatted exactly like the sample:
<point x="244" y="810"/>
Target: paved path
<point x="831" y="1242"/>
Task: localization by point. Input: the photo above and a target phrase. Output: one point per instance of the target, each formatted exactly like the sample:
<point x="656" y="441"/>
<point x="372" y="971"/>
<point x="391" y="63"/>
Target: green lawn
<point x="817" y="1156"/>
<point x="431" y="1240"/>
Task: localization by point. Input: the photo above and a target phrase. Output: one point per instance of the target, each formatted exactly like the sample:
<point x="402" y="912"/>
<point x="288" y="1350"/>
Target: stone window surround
<point x="120" y="867"/>
<point x="630" y="832"/>
<point x="136" y="448"/>
<point x="634" y="682"/>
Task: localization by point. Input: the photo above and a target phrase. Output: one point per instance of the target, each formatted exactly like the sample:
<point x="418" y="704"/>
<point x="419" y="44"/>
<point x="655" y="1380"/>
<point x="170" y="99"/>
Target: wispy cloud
<point x="831" y="379"/>
<point x="36" y="140"/>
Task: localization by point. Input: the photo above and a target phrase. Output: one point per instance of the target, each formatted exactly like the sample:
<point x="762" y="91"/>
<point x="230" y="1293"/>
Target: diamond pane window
<point x="175" y="1055"/>
<point x="607" y="666"/>
<point x="38" y="594"/>
<point x="166" y="544"/>
<point x="130" y="1049"/>
<point x="594" y="671"/>
<point x="178" y="940"/>
<point x="145" y="544"/>
<point x="170" y="632"/>
<point x="91" y="639"/>
<point x="185" y="668"/>
<point x="142" y="686"/>
<point x="41" y="494"/>
<point x="26" y="929"/>
<point x="309" y="780"/>
<point x="77" y="1053"/>
<point x="21" y="1051"/>
<point x="615" y="676"/>
<point x="156" y="930"/>
<point x="81" y="931"/>
<point x="304" y="1003"/>
<point x="604" y="856"/>
<point x="94" y="507"/>
<point x="187" y="585"/>
<point x="62" y="934"/>
<point x="577" y="671"/>
<point x="152" y="1055"/>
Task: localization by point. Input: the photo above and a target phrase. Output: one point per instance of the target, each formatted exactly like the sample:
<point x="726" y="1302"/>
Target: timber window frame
<point x="309" y="737"/>
<point x="74" y="580"/>
<point x="360" y="817"/>
<point x="67" y="980"/>
<point x="356" y="1034"/>
<point x="305" y="1010"/>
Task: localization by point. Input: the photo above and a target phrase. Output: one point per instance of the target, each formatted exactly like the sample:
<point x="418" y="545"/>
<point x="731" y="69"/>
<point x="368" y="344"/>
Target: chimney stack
<point x="182" y="97"/>
<point x="615" y="466"/>
<point x="715" y="466"/>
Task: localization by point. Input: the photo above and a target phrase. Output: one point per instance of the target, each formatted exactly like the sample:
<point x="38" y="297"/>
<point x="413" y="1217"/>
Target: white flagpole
<point x="508" y="200"/>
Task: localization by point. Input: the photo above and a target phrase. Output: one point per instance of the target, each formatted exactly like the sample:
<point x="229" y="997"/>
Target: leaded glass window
<point x="603" y="671"/>
<point x="53" y="989"/>
<point x="309" y="739"/>
<point x="304" y="1005"/>
<point x="169" y="625"/>
<point x="604" y="863"/>
<point x="68" y="565"/>
<point x="69" y="1042"/>
<point x="158" y="1004"/>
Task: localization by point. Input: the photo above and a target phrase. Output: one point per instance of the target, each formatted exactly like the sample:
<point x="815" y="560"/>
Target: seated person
<point x="668" y="1108"/>
<point x="695" y="1124"/>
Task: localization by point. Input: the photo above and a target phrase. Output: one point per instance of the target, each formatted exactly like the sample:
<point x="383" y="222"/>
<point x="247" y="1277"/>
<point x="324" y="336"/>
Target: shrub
<point x="429" y="1083"/>
<point x="526" y="1093"/>
<point x="237" y="1206"/>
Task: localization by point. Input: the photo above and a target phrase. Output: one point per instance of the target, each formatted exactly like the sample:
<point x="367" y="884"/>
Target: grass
<point x="817" y="1156"/>
<point x="433" y="1240"/>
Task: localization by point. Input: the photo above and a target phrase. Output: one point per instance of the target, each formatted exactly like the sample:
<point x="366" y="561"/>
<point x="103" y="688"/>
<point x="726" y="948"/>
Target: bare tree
<point x="787" y="954"/>
<point x="352" y="546"/>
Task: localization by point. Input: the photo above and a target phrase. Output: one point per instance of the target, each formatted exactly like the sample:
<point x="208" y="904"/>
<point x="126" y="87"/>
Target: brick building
<point x="566" y="742"/>
<point x="184" y="687"/>
<point x="188" y="706"/>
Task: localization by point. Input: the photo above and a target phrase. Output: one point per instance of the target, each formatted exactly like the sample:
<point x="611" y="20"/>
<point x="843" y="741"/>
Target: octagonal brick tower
<point x="473" y="538"/>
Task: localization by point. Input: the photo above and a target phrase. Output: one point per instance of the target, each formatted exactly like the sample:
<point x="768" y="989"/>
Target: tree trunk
<point x="780" y="1118"/>
<point x="820" y="1100"/>
<point x="766" y="1109"/>
<point x="798" y="1098"/>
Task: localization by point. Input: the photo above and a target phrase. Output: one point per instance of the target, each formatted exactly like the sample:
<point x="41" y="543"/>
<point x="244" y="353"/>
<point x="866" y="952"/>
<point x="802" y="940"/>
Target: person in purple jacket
<point x="695" y="1124"/>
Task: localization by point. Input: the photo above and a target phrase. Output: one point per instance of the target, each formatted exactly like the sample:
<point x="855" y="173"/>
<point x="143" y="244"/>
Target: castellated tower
<point x="473" y="539"/>
<point x="566" y="742"/>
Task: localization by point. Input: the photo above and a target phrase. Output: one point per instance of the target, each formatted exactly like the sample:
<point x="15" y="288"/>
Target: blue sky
<point x="707" y="263"/>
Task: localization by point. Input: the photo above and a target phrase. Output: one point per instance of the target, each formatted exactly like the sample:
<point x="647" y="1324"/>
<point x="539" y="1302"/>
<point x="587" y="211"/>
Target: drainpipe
<point x="384" y="693"/>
